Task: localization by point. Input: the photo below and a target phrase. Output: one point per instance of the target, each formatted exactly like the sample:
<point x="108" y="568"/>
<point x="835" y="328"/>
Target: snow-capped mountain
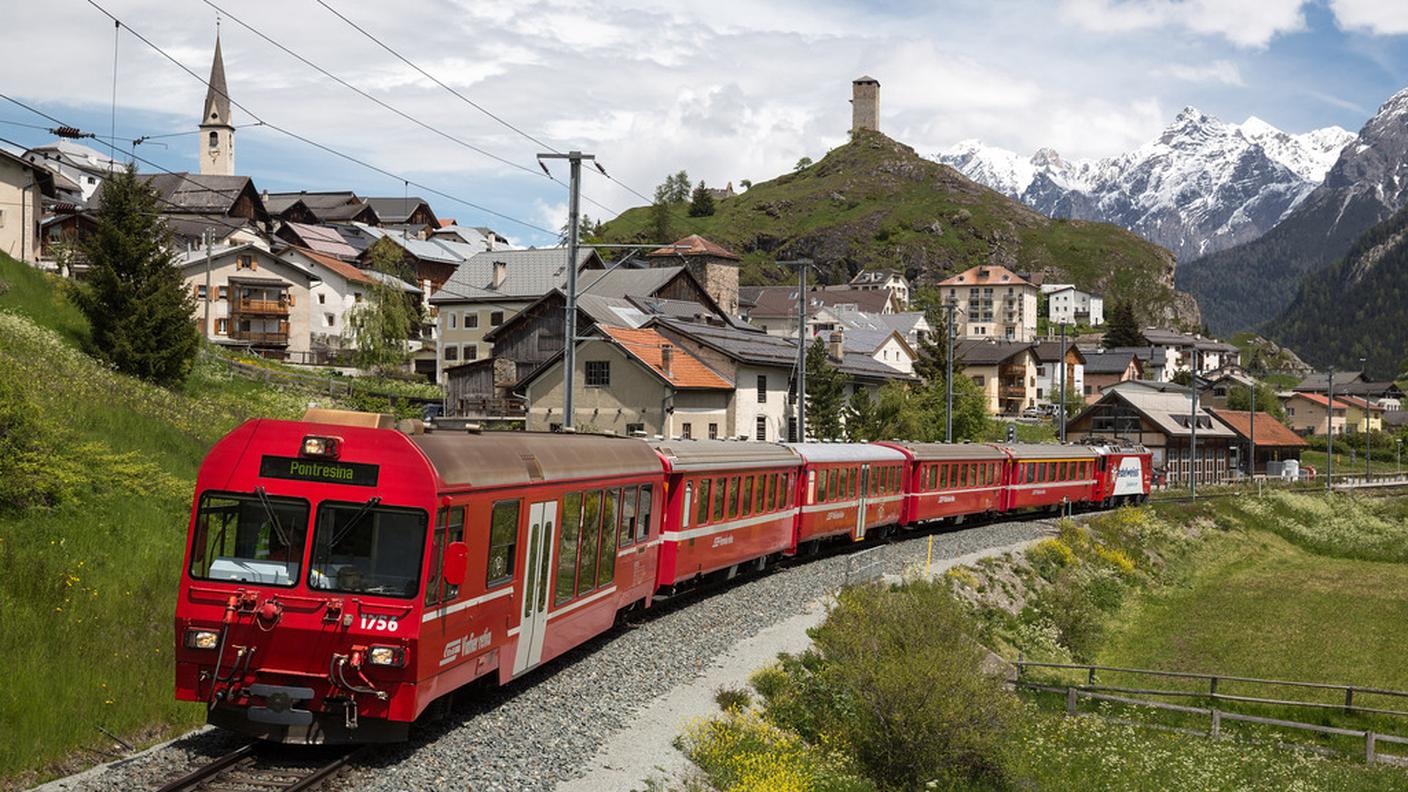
<point x="1203" y="185"/>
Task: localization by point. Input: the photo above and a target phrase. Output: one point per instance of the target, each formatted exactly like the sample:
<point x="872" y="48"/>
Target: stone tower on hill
<point x="217" y="130"/>
<point x="865" y="104"/>
<point x="715" y="267"/>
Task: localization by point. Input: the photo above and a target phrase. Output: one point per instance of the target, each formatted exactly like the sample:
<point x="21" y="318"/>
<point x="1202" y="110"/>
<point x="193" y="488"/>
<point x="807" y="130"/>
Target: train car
<point x="1039" y="476"/>
<point x="341" y="575"/>
<point x="729" y="504"/>
<point x="847" y="489"/>
<point x="1125" y="474"/>
<point x="950" y="481"/>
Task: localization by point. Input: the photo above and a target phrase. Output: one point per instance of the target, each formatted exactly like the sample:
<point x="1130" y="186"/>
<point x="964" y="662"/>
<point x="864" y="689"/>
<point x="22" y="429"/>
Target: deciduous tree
<point x="380" y="326"/>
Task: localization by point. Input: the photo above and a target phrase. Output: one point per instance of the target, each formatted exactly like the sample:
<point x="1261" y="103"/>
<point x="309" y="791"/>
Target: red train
<point x="342" y="574"/>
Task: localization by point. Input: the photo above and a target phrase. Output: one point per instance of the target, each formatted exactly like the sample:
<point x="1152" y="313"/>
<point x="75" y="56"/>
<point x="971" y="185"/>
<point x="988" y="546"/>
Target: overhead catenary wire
<point x="315" y="144"/>
<point x="500" y="119"/>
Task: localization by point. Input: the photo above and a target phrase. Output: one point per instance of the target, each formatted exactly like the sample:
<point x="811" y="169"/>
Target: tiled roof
<point x="1107" y="362"/>
<point x="986" y="275"/>
<point x="1269" y="431"/>
<point x="314" y="200"/>
<point x="697" y="246"/>
<point x="1319" y="398"/>
<point x="396" y="209"/>
<point x="1320" y="381"/>
<point x="1168" y="410"/>
<point x="192" y="192"/>
<point x="1355" y="401"/>
<point x="528" y="274"/>
<point x="979" y="352"/>
<point x="1050" y="351"/>
<point x="347" y="271"/>
<point x="770" y="350"/>
<point x="323" y="239"/>
<point x="626" y="282"/>
<point x="778" y="301"/>
<point x="686" y="371"/>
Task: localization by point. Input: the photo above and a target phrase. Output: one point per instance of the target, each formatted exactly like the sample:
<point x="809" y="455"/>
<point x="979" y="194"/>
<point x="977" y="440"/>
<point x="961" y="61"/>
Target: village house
<point x="712" y="265"/>
<point x="1385" y="394"/>
<point x="632" y="381"/>
<point x="1312" y="414"/>
<point x="1065" y="304"/>
<point x="1005" y="370"/>
<point x="315" y="237"/>
<point x="886" y="347"/>
<point x="992" y="302"/>
<point x="773" y="309"/>
<point x="1215" y="388"/>
<point x="410" y="213"/>
<point x="1361" y="415"/>
<point x="1160" y="417"/>
<point x="81" y="166"/>
<point x="339" y="287"/>
<point x="1156" y="363"/>
<point x="1276" y="444"/>
<point x="884" y="279"/>
<point x="22" y="188"/>
<point x="1192" y="353"/>
<point x="1048" y="373"/>
<point x="1103" y="369"/>
<point x="332" y="206"/>
<point x="226" y="208"/>
<point x="254" y="298"/>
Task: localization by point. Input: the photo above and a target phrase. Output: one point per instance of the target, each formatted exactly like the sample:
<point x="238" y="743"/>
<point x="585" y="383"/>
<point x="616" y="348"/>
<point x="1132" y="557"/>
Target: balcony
<point x="1012" y="392"/>
<point x="248" y="306"/>
<point x="258" y="337"/>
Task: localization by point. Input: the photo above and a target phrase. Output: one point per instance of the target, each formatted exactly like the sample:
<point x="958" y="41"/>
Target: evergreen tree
<point x="860" y="417"/>
<point x="701" y="203"/>
<point x="135" y="298"/>
<point x="1122" y="328"/>
<point x="660" y="225"/>
<point x="381" y="324"/>
<point x="826" y="393"/>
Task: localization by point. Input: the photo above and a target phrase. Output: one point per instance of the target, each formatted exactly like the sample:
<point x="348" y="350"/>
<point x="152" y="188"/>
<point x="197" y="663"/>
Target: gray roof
<point x="529" y="274"/>
<point x="846" y="452"/>
<point x="613" y="311"/>
<point x="980" y="352"/>
<point x="1160" y="356"/>
<point x="314" y="200"/>
<point x="186" y="227"/>
<point x="782" y="300"/>
<point x="192" y="258"/>
<point x="685" y="309"/>
<point x="1107" y="362"/>
<point x="764" y="349"/>
<point x="625" y="282"/>
<point x="905" y="322"/>
<point x="397" y="209"/>
<point x="866" y="340"/>
<point x="1319" y="381"/>
<point x="196" y="193"/>
<point x="1050" y="351"/>
<point x="1169" y="411"/>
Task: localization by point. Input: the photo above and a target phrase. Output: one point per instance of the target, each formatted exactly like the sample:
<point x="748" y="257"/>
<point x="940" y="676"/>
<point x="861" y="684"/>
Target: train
<point x="346" y="571"/>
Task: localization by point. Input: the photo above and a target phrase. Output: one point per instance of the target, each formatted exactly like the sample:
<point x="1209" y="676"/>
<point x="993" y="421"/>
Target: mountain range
<point x="1201" y="186"/>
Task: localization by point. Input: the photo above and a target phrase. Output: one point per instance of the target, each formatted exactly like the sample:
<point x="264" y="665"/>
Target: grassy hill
<point x="96" y="477"/>
<point x="876" y="203"/>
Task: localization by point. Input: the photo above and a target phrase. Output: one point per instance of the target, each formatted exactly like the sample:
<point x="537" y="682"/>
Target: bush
<point x="1049" y="556"/>
<point x="1068" y="606"/>
<point x="732" y="699"/>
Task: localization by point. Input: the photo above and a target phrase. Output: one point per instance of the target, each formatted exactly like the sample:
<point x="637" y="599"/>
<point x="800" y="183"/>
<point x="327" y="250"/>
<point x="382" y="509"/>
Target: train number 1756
<point x="379" y="623"/>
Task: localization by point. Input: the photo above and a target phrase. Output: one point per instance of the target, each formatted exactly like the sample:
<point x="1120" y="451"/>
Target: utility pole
<point x="1368" y="441"/>
<point x="569" y="333"/>
<point x="1330" y="434"/>
<point x="1193" y="446"/>
<point x="1062" y="364"/>
<point x="1251" y="465"/>
<point x="949" y="305"/>
<point x="208" y="296"/>
<point x="801" y="265"/>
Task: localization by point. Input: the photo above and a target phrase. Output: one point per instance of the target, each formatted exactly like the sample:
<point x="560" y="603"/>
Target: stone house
<point x="1103" y="369"/>
<point x="712" y="265"/>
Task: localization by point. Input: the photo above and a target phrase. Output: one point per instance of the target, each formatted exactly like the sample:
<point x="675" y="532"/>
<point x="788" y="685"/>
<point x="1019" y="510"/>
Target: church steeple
<point x="217" y="140"/>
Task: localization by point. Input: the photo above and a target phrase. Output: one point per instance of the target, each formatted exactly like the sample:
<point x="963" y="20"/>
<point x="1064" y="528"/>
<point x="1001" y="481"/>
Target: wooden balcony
<point x="249" y="306"/>
<point x="1013" y="392"/>
<point x="255" y="337"/>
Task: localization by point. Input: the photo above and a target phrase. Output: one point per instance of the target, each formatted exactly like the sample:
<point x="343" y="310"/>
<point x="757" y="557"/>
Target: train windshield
<point x="249" y="538"/>
<point x="364" y="548"/>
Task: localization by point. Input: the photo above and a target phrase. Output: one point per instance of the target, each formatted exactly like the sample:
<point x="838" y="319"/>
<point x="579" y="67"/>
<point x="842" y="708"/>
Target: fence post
<point x="1090" y="678"/>
<point x="1348" y="699"/>
<point x="1070" y="701"/>
<point x="1212" y="688"/>
<point x="1020" y="666"/>
<point x="1216" y="723"/>
<point x="1369" y="753"/>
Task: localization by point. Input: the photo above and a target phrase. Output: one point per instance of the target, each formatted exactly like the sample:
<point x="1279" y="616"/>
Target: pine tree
<point x="381" y="324"/>
<point x="860" y="417"/>
<point x="826" y="393"/>
<point x="135" y="298"/>
<point x="1122" y="328"/>
<point x="701" y="203"/>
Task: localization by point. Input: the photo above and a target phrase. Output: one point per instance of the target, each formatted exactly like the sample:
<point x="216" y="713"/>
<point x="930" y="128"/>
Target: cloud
<point x="1218" y="71"/>
<point x="1246" y="23"/>
<point x="1372" y="16"/>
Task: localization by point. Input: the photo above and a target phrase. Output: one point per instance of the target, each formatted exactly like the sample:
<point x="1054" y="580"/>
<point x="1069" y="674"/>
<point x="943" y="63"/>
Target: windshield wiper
<point x="354" y="522"/>
<point x="273" y="517"/>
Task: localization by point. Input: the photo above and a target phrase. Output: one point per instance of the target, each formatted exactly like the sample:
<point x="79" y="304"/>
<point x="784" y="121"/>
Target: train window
<point x="979" y="474"/>
<point x="720" y="485"/>
<point x="449" y="527"/>
<point x="364" y="549"/>
<point x="1030" y="472"/>
<point x="606" y="563"/>
<point x="590" y="540"/>
<point x="702" y="495"/>
<point x="628" y="516"/>
<point x="733" y="497"/>
<point x="745" y="506"/>
<point x="567" y="547"/>
<point x="770" y="497"/>
<point x="237" y="538"/>
<point x="760" y="496"/>
<point x="1065" y="471"/>
<point x="647" y="504"/>
<point x="503" y="540"/>
<point x="851" y="476"/>
<point x="821" y="486"/>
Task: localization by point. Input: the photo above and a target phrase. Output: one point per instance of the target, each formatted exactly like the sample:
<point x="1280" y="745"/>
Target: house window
<point x="200" y="292"/>
<point x="356" y="296"/>
<point x="214" y="138"/>
<point x="471" y="352"/>
<point x="762" y="389"/>
<point x="471" y="320"/>
<point x="978" y="379"/>
<point x="633" y="429"/>
<point x="1088" y="391"/>
<point x="496" y="318"/>
<point x="329" y="320"/>
<point x="452" y="321"/>
<point x="760" y="432"/>
<point x="222" y="326"/>
<point x="687" y="431"/>
<point x="245" y="262"/>
<point x="452" y="352"/>
<point x="599" y="374"/>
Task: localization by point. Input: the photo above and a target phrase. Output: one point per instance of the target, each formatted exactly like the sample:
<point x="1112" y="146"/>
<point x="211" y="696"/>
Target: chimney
<point x="837" y="348"/>
<point x="667" y="359"/>
<point x="500" y="273"/>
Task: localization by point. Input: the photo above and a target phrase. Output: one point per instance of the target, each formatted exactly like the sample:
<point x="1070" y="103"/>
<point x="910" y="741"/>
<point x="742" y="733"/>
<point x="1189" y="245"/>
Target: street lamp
<point x="950" y="305"/>
<point x="1398" y="456"/>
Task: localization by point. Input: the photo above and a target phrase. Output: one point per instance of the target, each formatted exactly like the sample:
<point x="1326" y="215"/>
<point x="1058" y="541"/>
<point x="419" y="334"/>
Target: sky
<point x="725" y="89"/>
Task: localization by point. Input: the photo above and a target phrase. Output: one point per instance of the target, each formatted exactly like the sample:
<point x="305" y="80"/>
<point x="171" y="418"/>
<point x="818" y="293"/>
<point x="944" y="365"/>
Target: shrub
<point x="1049" y="556"/>
<point x="770" y="681"/>
<point x="1066" y="604"/>
<point x="1116" y="558"/>
<point x="732" y="699"/>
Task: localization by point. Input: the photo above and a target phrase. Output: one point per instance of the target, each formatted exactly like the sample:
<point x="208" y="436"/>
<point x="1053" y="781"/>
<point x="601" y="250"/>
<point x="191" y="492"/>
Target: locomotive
<point x="344" y="572"/>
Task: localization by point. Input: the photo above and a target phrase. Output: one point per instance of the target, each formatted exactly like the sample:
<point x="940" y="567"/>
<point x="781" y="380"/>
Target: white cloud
<point x="1218" y="71"/>
<point x="1381" y="17"/>
<point x="1246" y="23"/>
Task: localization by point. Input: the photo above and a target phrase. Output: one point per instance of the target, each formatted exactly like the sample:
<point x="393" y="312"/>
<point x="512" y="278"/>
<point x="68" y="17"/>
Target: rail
<point x="260" y="766"/>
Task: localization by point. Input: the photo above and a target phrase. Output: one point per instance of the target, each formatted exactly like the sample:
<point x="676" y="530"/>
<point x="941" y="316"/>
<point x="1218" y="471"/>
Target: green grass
<point x="88" y="582"/>
<point x="1381" y="462"/>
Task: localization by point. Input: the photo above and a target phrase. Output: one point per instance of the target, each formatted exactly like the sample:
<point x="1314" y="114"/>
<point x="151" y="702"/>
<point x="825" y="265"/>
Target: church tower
<point x="865" y="104"/>
<point x="217" y="131"/>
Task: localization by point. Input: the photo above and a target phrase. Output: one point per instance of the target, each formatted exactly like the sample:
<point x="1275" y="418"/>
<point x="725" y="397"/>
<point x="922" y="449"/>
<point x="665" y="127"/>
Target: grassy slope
<point x="876" y="203"/>
<point x="87" y="587"/>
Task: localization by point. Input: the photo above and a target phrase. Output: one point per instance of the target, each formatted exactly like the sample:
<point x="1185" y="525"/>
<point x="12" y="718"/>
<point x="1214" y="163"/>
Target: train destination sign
<point x="320" y="470"/>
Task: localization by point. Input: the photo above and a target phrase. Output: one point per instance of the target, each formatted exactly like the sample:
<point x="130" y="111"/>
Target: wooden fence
<point x="333" y="386"/>
<point x="1125" y="695"/>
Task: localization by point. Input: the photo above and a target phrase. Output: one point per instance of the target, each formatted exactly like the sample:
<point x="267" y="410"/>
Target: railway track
<point x="260" y="767"/>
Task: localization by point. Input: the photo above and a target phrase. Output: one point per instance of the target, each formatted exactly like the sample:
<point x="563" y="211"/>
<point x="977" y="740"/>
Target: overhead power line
<point x="309" y="141"/>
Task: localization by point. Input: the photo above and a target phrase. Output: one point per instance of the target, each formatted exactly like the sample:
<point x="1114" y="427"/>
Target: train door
<point x="861" y="497"/>
<point x="542" y="539"/>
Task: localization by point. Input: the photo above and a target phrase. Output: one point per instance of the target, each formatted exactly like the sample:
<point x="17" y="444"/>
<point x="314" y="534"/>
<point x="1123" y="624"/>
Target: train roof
<point x="500" y="458"/>
<point x="696" y="455"/>
<point x="846" y="452"/>
<point x="1046" y="450"/>
<point x="928" y="452"/>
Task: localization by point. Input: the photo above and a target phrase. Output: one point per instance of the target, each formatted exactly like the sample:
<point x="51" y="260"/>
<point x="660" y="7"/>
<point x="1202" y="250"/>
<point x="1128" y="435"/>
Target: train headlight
<point x="393" y="656"/>
<point x="202" y="639"/>
<point x="325" y="447"/>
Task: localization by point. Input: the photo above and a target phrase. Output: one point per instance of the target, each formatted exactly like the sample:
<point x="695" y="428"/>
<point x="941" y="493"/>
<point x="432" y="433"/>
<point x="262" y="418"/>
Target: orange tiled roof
<point x="347" y="271"/>
<point x="686" y="371"/>
<point x="1355" y="401"/>
<point x="1319" y="399"/>
<point x="698" y="246"/>
<point x="986" y="275"/>
<point x="1269" y="431"/>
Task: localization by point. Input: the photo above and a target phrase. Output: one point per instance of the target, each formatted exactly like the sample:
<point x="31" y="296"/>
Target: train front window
<point x="249" y="539"/>
<point x="362" y="548"/>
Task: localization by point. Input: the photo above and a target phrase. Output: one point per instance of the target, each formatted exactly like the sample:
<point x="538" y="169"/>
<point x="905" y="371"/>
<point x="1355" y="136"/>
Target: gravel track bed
<point x="539" y="731"/>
